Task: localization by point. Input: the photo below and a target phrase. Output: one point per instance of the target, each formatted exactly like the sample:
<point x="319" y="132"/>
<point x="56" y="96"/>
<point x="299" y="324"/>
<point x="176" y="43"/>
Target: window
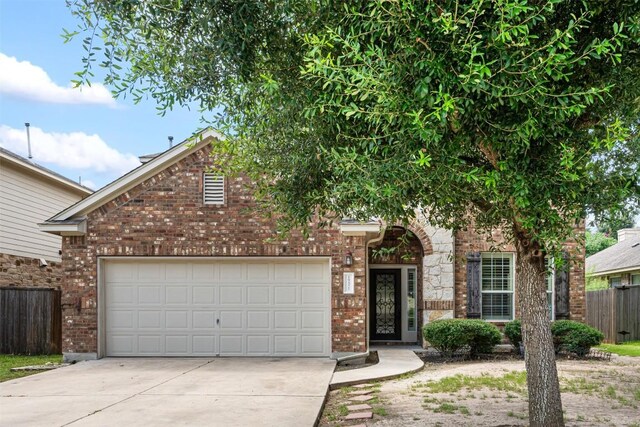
<point x="551" y="278"/>
<point x="614" y="282"/>
<point x="635" y="279"/>
<point x="411" y="299"/>
<point x="497" y="274"/>
<point x="213" y="189"/>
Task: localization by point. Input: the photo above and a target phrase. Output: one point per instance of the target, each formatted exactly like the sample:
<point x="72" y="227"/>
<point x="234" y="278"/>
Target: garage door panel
<point x="258" y="319"/>
<point x="285" y="345"/>
<point x="231" y="319"/>
<point x="122" y="294"/>
<point x="122" y="319"/>
<point x="176" y="319"/>
<point x="177" y="345"/>
<point x="313" y="295"/>
<point x="258" y="295"/>
<point x="150" y="295"/>
<point x="176" y="294"/>
<point x="205" y="295"/>
<point x="204" y="319"/>
<point x="151" y="272"/>
<point x="203" y="272"/>
<point x="150" y="345"/>
<point x="258" y="345"/>
<point x="313" y="320"/>
<point x="258" y="272"/>
<point x="231" y="345"/>
<point x="150" y="319"/>
<point x="224" y="307"/>
<point x="312" y="345"/>
<point x="285" y="320"/>
<point x="231" y="295"/>
<point x="285" y="295"/>
<point x="204" y="345"/>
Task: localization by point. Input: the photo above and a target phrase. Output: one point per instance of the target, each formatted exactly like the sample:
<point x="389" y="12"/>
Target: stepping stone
<point x="359" y="416"/>
<point x="360" y="392"/>
<point x="360" y="398"/>
<point x="361" y="407"/>
<point x="359" y="425"/>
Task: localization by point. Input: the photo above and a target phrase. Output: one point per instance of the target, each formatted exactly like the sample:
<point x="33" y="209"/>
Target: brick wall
<point x="165" y="216"/>
<point x="469" y="241"/>
<point x="26" y="272"/>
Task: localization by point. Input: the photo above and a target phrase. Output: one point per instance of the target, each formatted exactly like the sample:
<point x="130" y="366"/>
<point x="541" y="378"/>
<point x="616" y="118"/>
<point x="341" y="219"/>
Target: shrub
<point x="450" y="335"/>
<point x="575" y="337"/>
<point x="513" y="331"/>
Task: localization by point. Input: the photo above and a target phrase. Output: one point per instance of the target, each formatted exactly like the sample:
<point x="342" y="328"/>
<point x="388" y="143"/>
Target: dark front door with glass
<point x="385" y="304"/>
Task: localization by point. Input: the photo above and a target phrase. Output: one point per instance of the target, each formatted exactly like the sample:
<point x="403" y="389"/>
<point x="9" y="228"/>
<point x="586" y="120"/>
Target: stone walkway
<point x="393" y="362"/>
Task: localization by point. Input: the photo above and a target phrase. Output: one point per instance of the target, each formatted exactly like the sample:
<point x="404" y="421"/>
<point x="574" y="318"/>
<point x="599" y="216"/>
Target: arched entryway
<point x="395" y="274"/>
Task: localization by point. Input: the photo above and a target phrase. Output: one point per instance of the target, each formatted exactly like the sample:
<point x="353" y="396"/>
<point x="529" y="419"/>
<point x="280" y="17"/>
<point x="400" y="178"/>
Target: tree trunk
<point x="545" y="406"/>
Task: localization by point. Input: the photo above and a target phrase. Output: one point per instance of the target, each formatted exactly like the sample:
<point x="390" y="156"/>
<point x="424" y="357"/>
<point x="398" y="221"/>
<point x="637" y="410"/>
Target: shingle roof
<point x="24" y="162"/>
<point x="622" y="256"/>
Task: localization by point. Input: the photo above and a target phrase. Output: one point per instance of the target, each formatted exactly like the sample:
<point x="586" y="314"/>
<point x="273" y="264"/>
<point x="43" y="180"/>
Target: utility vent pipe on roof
<point x="170" y="141"/>
<point x="28" y="140"/>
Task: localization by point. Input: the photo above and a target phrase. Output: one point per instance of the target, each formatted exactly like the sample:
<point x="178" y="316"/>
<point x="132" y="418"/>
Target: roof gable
<point x="133" y="178"/>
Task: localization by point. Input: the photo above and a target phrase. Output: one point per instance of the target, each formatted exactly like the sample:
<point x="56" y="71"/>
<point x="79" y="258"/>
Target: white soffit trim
<point x="64" y="229"/>
<point x="616" y="271"/>
<point x="133" y="178"/>
<point x="359" y="229"/>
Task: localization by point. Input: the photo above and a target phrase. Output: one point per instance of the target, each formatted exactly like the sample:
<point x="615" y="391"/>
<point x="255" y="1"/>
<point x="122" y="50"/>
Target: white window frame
<point x="611" y="278"/>
<point x="631" y="276"/>
<point x="204" y="189"/>
<point x="551" y="284"/>
<point x="493" y="255"/>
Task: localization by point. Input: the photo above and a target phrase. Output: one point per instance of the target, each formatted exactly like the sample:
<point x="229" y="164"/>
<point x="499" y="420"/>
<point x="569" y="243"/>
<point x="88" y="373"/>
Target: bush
<point x="513" y="331"/>
<point x="450" y="335"/>
<point x="575" y="337"/>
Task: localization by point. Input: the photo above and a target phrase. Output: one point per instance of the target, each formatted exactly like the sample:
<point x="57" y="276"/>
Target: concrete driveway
<point x="159" y="392"/>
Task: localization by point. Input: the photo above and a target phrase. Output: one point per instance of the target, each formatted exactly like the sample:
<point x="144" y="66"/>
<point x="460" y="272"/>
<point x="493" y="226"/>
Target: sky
<point x="77" y="133"/>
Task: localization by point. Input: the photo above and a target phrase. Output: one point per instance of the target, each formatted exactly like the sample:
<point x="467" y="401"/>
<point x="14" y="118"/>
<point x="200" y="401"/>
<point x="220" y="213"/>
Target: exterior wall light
<point x="348" y="259"/>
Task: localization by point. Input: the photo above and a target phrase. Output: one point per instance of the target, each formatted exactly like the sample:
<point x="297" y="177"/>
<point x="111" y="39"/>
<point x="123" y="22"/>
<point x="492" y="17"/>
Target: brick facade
<point x="470" y="241"/>
<point x="165" y="216"/>
<point x="27" y="272"/>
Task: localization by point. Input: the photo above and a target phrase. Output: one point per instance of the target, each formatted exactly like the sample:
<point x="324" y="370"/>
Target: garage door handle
<point x="217" y="321"/>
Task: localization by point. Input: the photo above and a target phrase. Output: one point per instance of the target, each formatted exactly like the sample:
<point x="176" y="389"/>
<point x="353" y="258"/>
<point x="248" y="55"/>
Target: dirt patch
<point x="493" y="393"/>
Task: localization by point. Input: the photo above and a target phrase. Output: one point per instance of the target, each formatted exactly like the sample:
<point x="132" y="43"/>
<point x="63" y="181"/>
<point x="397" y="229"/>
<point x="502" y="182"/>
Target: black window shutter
<point x="562" y="288"/>
<point x="473" y="285"/>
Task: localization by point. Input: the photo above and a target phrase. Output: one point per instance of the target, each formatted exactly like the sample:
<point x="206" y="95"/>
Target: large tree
<point x="509" y="113"/>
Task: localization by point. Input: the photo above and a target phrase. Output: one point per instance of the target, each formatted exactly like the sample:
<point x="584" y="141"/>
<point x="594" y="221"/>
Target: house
<point x="29" y="194"/>
<point x="618" y="264"/>
<point x="173" y="260"/>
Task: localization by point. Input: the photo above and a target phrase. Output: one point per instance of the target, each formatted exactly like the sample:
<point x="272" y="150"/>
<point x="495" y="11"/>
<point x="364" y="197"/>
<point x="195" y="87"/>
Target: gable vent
<point x="213" y="189"/>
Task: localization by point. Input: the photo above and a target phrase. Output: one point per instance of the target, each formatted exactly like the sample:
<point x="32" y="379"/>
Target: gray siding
<point x="26" y="200"/>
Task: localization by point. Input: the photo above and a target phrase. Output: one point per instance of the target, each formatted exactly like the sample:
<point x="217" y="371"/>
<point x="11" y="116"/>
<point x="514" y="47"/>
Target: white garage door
<point x="217" y="307"/>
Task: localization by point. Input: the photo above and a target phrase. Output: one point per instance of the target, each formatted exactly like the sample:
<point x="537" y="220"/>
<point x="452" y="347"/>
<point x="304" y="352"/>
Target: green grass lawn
<point x="631" y="348"/>
<point x="8" y="361"/>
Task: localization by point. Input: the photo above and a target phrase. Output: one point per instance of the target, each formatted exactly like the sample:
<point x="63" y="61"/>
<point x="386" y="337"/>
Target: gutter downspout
<point x="378" y="239"/>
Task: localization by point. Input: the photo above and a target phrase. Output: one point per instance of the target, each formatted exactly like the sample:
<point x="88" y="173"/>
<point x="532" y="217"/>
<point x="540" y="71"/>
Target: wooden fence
<point x="30" y="321"/>
<point x="615" y="312"/>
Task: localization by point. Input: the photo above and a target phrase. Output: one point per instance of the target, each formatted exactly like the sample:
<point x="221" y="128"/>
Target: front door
<point x="385" y="304"/>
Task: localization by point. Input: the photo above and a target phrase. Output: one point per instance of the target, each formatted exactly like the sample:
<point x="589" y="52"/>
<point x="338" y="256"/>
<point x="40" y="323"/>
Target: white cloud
<point x="90" y="184"/>
<point x="75" y="150"/>
<point x="25" y="80"/>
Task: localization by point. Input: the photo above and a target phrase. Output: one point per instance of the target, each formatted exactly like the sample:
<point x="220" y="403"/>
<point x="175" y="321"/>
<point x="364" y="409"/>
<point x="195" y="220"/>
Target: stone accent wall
<point x="165" y="216"/>
<point x="438" y="277"/>
<point x="470" y="241"/>
<point x="26" y="272"/>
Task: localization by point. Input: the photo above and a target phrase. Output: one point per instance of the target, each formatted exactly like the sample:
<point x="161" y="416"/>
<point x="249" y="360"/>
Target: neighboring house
<point x="29" y="194"/>
<point x="172" y="260"/>
<point x="618" y="264"/>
